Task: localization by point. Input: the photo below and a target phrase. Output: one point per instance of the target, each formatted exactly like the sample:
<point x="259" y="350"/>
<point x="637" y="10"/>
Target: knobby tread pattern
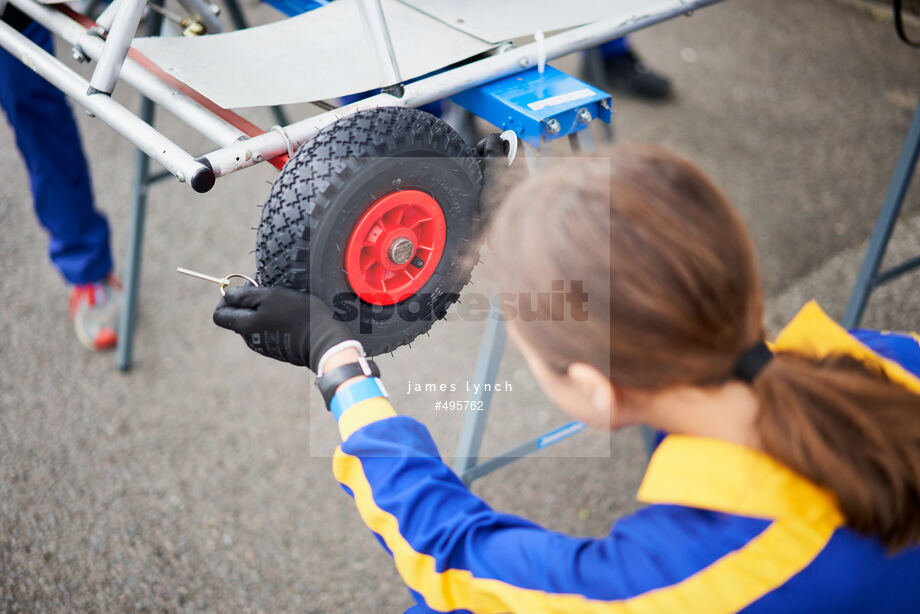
<point x="305" y="192"/>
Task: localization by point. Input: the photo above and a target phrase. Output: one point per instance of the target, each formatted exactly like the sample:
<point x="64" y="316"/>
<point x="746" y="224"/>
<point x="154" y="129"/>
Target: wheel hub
<point x="401" y="250"/>
<point x="395" y="247"/>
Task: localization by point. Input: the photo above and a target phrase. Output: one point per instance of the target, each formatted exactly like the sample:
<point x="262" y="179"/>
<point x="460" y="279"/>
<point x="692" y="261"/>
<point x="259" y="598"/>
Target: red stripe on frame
<point x="238" y="122"/>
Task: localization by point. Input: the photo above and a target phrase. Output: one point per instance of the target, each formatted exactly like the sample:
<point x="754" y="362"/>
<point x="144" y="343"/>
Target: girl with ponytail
<point x="789" y="478"/>
<point x="820" y="402"/>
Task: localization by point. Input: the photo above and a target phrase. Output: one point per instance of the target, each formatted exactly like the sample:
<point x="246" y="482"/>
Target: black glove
<point x="281" y="323"/>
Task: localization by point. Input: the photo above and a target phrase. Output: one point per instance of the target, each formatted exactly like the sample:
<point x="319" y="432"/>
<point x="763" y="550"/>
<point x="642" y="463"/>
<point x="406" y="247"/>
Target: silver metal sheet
<point x="318" y="55"/>
<point x="498" y="20"/>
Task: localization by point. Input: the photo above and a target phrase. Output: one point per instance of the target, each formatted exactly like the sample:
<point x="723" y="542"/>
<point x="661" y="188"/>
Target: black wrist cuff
<point x="330" y="381"/>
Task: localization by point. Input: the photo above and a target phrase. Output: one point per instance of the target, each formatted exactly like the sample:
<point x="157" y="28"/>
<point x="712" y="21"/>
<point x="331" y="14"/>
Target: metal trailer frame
<point x="235" y="151"/>
<point x="242" y="145"/>
<point x="108" y="42"/>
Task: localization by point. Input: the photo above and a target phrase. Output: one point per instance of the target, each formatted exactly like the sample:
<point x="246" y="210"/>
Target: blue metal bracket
<point x="538" y="106"/>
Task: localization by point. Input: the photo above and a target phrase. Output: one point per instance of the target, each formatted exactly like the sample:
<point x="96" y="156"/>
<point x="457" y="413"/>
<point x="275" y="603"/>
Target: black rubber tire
<point x="332" y="180"/>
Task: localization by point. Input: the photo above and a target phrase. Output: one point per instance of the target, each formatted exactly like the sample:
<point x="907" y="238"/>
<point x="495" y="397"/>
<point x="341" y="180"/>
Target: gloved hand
<point x="281" y="323"/>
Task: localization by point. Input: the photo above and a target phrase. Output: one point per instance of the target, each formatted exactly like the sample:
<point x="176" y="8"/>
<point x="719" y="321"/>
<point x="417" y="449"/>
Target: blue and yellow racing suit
<point x="725" y="528"/>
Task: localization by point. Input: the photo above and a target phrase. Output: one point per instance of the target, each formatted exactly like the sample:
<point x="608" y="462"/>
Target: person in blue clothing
<point x="47" y="138"/>
<point x="789" y="478"/>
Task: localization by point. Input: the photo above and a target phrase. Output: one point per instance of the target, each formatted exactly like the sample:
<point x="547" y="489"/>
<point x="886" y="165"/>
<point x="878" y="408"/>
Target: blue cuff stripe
<point x="352" y="394"/>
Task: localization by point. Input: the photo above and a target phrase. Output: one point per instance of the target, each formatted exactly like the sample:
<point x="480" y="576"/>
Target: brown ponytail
<point x="850" y="430"/>
<point x="684" y="301"/>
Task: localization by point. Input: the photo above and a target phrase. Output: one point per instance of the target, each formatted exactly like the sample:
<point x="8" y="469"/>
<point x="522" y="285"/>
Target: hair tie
<point x="752" y="361"/>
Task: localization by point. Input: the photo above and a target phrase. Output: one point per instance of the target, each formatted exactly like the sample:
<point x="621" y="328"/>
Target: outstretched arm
<point x="453" y="551"/>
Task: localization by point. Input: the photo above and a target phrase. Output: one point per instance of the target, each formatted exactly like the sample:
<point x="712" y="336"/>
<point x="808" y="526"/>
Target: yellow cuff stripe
<point x="364" y="413"/>
<point x="786" y="547"/>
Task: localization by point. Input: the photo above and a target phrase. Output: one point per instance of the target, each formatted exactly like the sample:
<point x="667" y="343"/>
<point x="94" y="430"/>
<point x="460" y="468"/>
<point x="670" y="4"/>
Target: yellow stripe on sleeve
<point x="731" y="583"/>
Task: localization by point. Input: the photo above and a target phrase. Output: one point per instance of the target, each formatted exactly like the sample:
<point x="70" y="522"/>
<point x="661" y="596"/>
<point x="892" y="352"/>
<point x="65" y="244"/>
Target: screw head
<point x="553" y="126"/>
<point x="584" y="115"/>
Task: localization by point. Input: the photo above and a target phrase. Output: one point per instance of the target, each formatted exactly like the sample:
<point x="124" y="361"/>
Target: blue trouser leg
<point x="618" y="46"/>
<point x="47" y="137"/>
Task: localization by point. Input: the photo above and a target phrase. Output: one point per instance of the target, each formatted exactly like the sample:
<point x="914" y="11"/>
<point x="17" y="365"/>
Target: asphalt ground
<point x="201" y="480"/>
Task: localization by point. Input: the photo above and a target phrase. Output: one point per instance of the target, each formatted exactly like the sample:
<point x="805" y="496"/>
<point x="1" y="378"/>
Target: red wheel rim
<point x="395" y="247"/>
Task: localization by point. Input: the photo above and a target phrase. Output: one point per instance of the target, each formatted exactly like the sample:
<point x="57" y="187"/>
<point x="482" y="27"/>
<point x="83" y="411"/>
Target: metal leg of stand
<point x="127" y="319"/>
<point x="128" y="316"/>
<point x="582" y="141"/>
<point x="239" y="22"/>
<point x="491" y="349"/>
<point x="461" y="120"/>
<point x="536" y="159"/>
<point x="466" y="459"/>
<point x="594" y="72"/>
<point x="869" y="277"/>
<point x="506" y="458"/>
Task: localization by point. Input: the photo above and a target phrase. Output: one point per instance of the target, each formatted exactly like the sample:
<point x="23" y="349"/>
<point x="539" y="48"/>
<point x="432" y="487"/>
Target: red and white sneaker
<point x="94" y="310"/>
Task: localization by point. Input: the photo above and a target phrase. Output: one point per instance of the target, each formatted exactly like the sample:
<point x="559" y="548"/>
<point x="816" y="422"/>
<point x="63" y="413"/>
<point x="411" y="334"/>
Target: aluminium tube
<point x="107" y="17"/>
<point x="271" y="144"/>
<point x="116" y="47"/>
<point x="190" y="112"/>
<point x="176" y="160"/>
